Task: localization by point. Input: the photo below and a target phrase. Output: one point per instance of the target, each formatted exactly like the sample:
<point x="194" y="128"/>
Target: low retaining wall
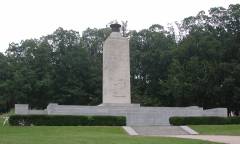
<point x="135" y="114"/>
<point x="23" y="109"/>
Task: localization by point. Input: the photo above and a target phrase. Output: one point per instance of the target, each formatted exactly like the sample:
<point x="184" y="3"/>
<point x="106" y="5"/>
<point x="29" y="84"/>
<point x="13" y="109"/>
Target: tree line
<point x="196" y="64"/>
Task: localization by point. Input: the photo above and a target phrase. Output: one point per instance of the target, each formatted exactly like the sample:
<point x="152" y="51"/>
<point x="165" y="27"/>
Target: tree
<point x="92" y="40"/>
<point x="150" y="51"/>
<point x="31" y="81"/>
<point x="4" y="76"/>
<point x="71" y="66"/>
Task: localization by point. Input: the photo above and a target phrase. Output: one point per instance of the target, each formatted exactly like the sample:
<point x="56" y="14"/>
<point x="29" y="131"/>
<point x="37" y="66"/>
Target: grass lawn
<point x="217" y="129"/>
<point x="81" y="135"/>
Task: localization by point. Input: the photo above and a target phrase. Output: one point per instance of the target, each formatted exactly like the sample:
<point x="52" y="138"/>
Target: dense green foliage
<point x="81" y="135"/>
<point x="66" y="120"/>
<point x="217" y="129"/>
<point x="207" y="120"/>
<point x="199" y="66"/>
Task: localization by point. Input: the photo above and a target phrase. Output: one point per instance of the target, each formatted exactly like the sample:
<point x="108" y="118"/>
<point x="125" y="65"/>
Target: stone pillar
<point x="51" y="108"/>
<point x="116" y="68"/>
<point x="21" y="109"/>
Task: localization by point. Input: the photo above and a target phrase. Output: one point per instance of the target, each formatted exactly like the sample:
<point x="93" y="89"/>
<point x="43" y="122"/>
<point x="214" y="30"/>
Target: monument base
<point x="136" y="115"/>
<point x="119" y="105"/>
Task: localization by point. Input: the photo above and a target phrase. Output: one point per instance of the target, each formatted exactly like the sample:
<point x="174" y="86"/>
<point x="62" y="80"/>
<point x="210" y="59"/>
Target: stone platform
<point x="136" y="115"/>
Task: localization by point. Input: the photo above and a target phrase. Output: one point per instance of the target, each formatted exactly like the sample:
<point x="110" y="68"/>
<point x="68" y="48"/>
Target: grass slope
<point x="217" y="129"/>
<point x="81" y="135"/>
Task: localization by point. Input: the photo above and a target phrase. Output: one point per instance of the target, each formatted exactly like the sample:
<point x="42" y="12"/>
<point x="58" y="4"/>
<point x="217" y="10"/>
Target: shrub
<point x="208" y="120"/>
<point x="234" y="120"/>
<point x="66" y="120"/>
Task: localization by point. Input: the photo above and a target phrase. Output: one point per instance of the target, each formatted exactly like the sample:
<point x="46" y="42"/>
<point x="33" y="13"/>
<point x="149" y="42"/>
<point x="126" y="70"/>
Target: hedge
<point x="208" y="120"/>
<point x="66" y="120"/>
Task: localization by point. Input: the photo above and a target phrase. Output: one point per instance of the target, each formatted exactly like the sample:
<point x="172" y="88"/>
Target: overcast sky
<point x="23" y="19"/>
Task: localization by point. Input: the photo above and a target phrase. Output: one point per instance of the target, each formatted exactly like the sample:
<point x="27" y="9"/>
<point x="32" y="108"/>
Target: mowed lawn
<point x="81" y="135"/>
<point x="217" y="129"/>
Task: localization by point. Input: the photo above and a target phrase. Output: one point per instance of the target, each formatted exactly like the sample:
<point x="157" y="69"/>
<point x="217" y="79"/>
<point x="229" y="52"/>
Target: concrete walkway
<point x="179" y="132"/>
<point x="130" y="130"/>
<point x="159" y="130"/>
<point x="213" y="138"/>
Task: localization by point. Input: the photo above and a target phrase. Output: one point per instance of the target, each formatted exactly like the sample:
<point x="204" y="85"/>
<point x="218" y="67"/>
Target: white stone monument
<point x="116" y="93"/>
<point x="116" y="68"/>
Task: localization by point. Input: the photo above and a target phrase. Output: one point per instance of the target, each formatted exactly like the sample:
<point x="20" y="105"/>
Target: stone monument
<point x="116" y="93"/>
<point x="116" y="68"/>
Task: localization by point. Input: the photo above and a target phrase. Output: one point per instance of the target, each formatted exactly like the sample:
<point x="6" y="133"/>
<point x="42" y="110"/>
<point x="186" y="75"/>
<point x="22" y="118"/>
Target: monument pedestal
<point x="135" y="115"/>
<point x="119" y="105"/>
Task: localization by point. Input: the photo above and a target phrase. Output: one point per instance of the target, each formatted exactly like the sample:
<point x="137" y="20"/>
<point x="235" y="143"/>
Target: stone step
<point x="159" y="130"/>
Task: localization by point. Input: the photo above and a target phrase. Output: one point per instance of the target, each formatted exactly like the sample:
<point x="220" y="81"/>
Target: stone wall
<point x="135" y="114"/>
<point x="23" y="109"/>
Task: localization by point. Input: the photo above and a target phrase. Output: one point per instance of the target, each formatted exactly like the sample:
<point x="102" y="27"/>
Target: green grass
<point x="217" y="129"/>
<point x="81" y="135"/>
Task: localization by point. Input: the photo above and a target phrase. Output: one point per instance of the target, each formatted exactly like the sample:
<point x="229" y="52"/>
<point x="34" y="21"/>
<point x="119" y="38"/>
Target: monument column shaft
<point x="116" y="70"/>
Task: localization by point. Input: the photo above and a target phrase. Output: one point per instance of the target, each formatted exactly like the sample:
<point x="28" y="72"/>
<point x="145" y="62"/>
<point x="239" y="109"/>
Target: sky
<point x="24" y="19"/>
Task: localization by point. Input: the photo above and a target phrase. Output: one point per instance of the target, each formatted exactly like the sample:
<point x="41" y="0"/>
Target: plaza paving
<point x="214" y="138"/>
<point x="178" y="132"/>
